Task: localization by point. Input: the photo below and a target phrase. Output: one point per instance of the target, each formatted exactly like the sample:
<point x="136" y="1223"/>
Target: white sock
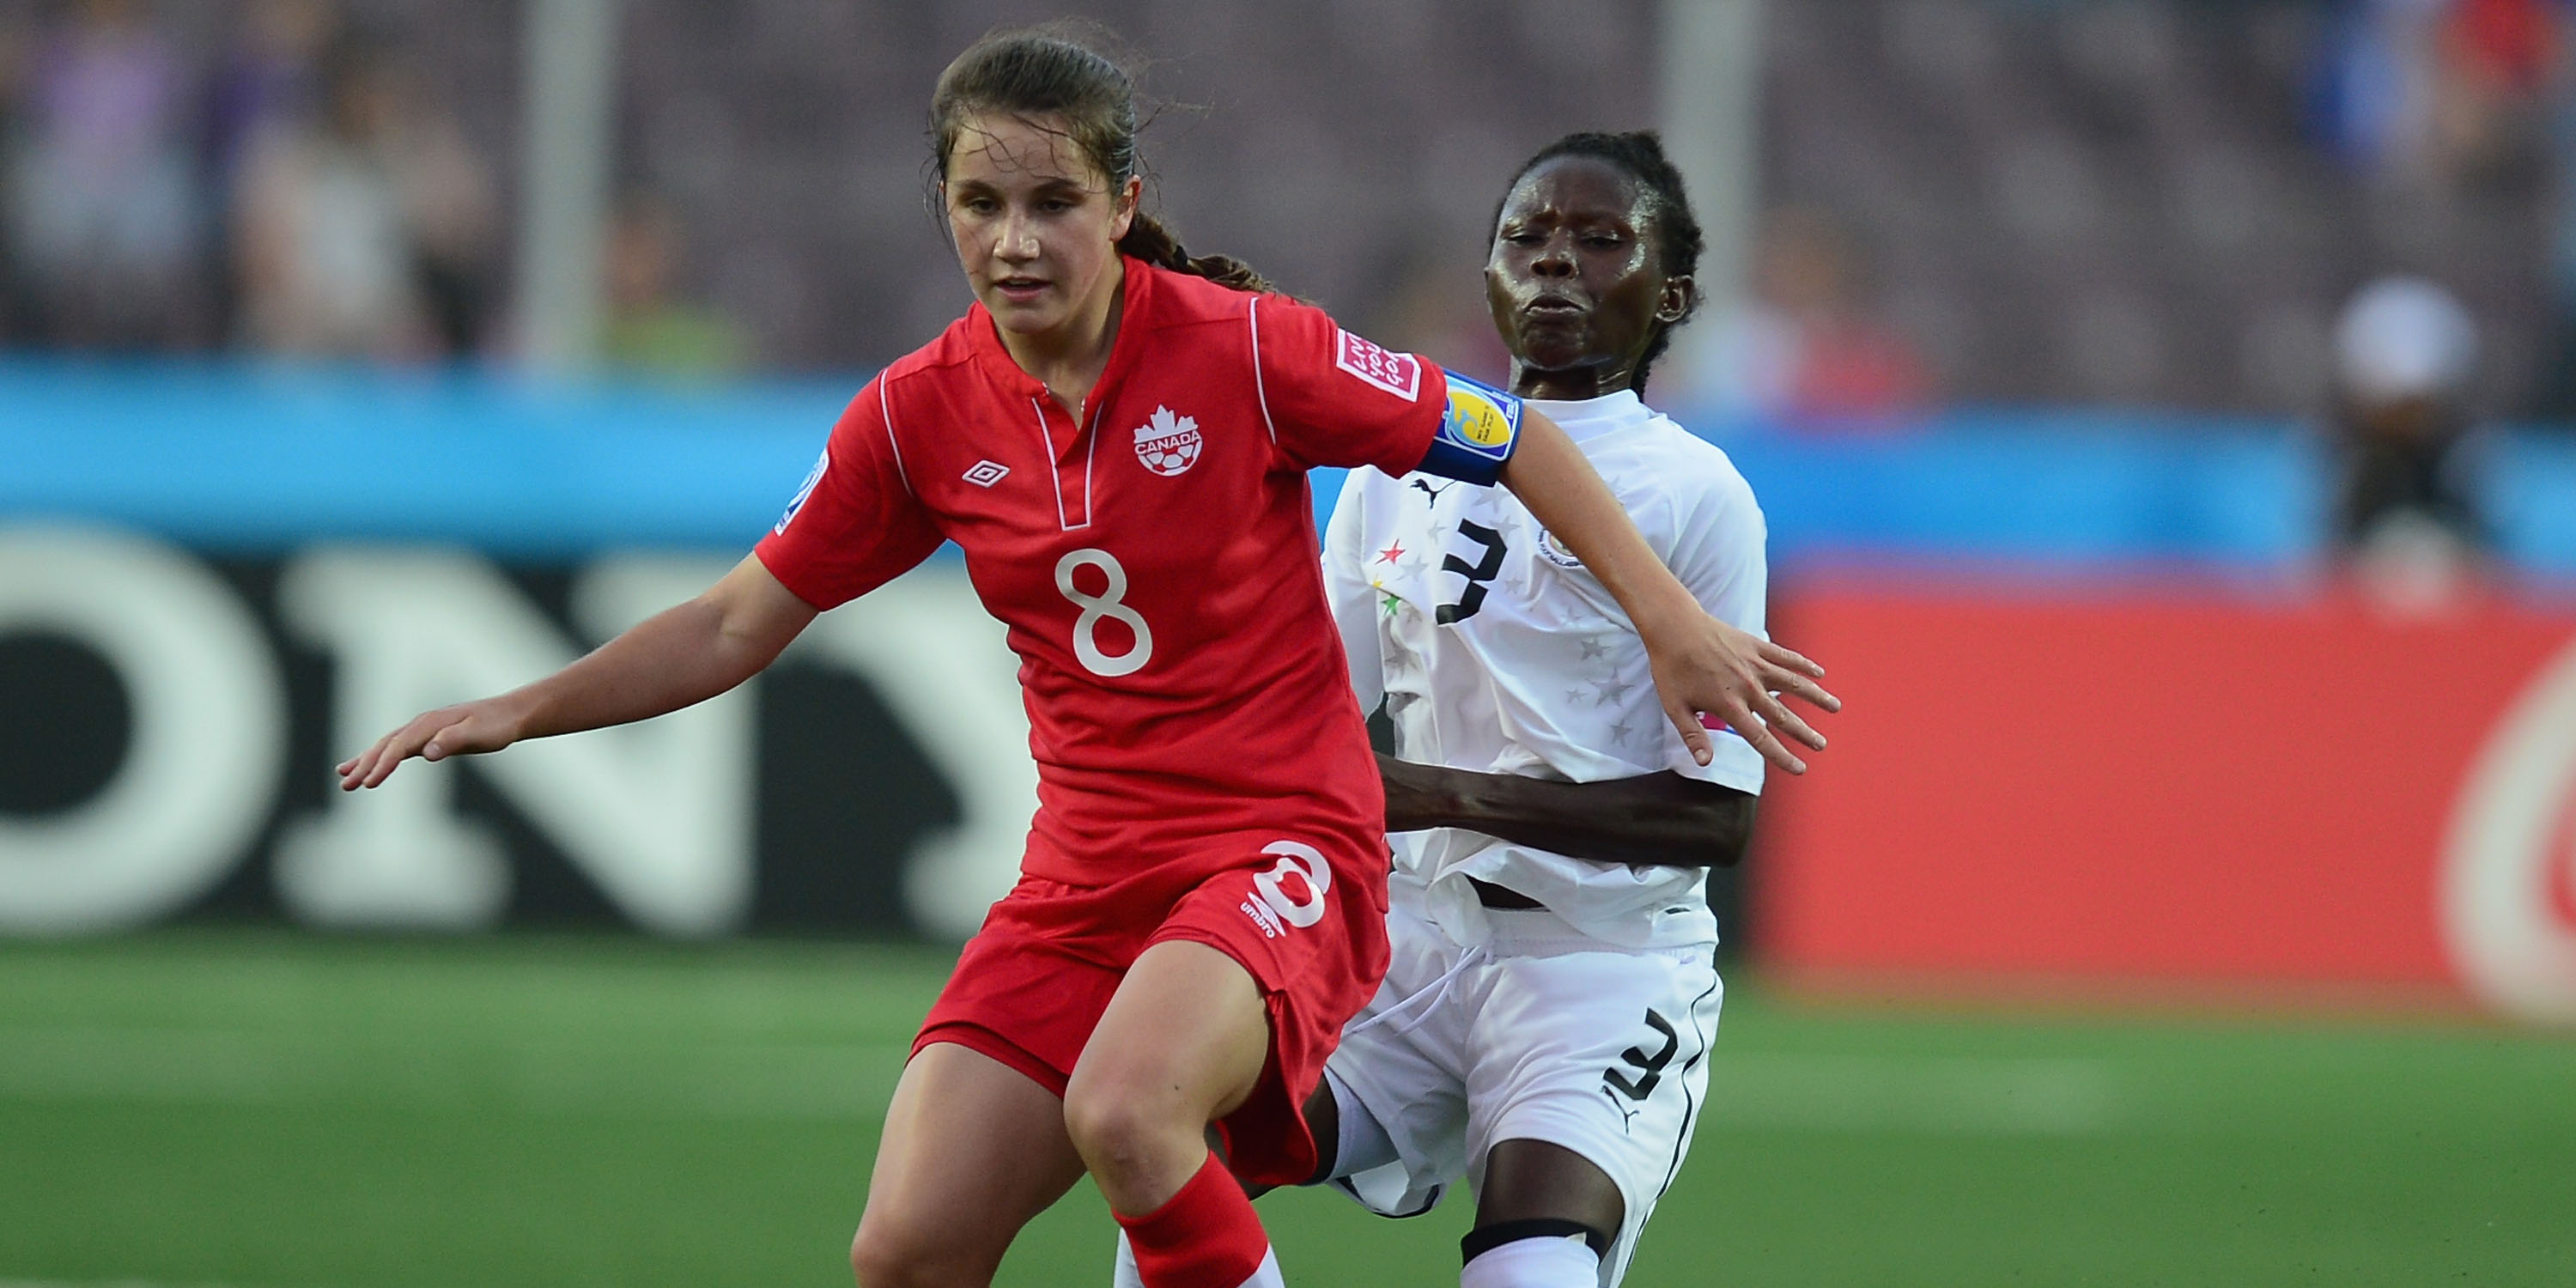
<point x="1541" y="1262"/>
<point x="1266" y="1275"/>
<point x="1124" y="1275"/>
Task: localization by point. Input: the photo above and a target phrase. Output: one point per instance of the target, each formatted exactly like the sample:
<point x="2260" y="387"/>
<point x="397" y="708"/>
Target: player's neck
<point x="1068" y="359"/>
<point x="1569" y="384"/>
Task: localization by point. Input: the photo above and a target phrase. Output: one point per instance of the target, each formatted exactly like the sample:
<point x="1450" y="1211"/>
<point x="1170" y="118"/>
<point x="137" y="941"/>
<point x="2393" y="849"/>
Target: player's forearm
<point x="680" y="656"/>
<point x="1660" y="820"/>
<point x="1551" y="477"/>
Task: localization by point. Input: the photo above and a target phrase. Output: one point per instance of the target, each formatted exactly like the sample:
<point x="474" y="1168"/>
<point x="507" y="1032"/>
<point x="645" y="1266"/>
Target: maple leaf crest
<point x="1163" y="424"/>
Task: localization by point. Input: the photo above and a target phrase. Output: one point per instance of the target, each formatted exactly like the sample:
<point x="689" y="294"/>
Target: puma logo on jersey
<point x="1431" y="495"/>
<point x="1168" y="443"/>
<point x="986" y="473"/>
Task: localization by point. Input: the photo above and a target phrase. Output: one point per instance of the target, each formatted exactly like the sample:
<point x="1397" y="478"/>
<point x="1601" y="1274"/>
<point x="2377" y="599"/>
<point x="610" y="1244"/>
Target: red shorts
<point x="1031" y="985"/>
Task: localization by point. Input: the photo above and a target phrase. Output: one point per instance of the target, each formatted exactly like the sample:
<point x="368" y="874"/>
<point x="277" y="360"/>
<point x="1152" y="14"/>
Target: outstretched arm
<point x="1653" y="820"/>
<point x="1700" y="664"/>
<point x="668" y="661"/>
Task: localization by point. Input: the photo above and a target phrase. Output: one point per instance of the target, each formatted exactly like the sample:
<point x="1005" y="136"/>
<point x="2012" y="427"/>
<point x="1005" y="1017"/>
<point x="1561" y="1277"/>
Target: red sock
<point x="1206" y="1237"/>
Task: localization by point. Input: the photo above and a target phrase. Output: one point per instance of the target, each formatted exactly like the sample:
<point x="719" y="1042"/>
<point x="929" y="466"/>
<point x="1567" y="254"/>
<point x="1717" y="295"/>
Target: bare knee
<point x="888" y="1252"/>
<point x="1140" y="1148"/>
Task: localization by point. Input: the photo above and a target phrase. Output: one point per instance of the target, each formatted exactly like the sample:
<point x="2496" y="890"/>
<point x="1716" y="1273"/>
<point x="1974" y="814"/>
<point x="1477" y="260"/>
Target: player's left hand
<point x="1737" y="677"/>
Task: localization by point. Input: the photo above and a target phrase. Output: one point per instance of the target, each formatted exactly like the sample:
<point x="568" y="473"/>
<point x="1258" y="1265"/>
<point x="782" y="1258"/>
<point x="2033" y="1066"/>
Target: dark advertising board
<point x="173" y="720"/>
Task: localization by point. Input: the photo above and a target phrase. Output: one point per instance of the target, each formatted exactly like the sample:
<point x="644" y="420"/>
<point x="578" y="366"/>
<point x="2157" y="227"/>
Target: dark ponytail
<point x="1147" y="239"/>
<point x="1678" y="241"/>
<point x="1055" y="70"/>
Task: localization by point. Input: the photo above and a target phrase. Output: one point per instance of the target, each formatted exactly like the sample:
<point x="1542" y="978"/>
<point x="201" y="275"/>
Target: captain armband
<point x="1478" y="431"/>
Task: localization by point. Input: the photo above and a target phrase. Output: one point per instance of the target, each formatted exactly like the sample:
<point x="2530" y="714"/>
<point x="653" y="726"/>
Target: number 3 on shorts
<point x="1109" y="604"/>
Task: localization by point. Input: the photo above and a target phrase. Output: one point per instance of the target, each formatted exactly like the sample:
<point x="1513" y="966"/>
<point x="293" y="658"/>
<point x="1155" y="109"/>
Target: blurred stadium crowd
<point x="2146" y="202"/>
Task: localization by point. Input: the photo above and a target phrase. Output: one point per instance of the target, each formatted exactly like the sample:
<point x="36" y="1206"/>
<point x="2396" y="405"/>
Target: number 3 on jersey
<point x="1477" y="574"/>
<point x="1110" y="603"/>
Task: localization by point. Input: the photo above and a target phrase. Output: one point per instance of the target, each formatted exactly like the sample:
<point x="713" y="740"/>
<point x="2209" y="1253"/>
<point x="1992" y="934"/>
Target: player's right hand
<point x="459" y="730"/>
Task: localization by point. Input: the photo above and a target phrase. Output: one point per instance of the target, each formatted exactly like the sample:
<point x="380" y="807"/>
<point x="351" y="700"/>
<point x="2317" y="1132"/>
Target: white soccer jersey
<point x="1497" y="652"/>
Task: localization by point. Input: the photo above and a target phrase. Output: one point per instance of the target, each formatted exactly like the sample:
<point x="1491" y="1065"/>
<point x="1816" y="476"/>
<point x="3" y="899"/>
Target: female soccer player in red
<point x="1202" y="901"/>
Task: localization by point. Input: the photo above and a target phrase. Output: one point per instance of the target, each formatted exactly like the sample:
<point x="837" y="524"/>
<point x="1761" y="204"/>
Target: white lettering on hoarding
<point x="945" y="668"/>
<point x="208" y="747"/>
<point x="2512" y="837"/>
<point x="658" y="813"/>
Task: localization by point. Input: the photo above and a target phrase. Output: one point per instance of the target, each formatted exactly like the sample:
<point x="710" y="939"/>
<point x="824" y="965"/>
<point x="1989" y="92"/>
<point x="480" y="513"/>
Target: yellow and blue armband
<point x="1477" y="432"/>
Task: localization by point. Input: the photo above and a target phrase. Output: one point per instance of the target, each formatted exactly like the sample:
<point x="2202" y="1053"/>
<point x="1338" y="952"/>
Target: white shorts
<point x="1544" y="1034"/>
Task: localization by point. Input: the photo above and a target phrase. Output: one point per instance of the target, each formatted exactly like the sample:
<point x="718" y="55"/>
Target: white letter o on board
<point x="2509" y="841"/>
<point x="202" y="769"/>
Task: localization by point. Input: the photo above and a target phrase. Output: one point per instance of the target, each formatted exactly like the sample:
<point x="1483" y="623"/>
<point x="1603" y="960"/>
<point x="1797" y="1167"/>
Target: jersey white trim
<point x="885" y="412"/>
<point x="1090" y="452"/>
<point x="1254" y="313"/>
<point x="1055" y="472"/>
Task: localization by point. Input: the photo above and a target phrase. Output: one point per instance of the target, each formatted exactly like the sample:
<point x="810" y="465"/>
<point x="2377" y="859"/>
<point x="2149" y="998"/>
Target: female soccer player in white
<point x="1544" y="1024"/>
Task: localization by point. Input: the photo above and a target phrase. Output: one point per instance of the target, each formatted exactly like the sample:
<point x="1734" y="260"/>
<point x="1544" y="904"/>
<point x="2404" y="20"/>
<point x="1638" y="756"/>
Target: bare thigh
<point x="1537" y="1180"/>
<point x="1182" y="1044"/>
<point x="972" y="1151"/>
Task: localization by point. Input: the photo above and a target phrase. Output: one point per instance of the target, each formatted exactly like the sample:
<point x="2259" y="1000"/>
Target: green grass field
<point x="270" y="1111"/>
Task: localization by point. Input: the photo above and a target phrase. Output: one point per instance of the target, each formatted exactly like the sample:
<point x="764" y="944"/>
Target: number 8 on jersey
<point x="1110" y="603"/>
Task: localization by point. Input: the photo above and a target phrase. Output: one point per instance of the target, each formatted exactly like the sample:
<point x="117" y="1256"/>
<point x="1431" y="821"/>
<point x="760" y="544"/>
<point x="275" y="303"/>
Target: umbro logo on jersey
<point x="1168" y="442"/>
<point x="987" y="473"/>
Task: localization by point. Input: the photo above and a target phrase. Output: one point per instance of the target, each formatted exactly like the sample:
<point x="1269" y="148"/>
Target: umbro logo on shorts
<point x="1273" y="907"/>
<point x="987" y="473"/>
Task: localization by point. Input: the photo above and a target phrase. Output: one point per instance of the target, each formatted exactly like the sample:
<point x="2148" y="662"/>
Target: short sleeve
<point x="854" y="525"/>
<point x="1718" y="556"/>
<point x="1353" y="600"/>
<point x="1334" y="398"/>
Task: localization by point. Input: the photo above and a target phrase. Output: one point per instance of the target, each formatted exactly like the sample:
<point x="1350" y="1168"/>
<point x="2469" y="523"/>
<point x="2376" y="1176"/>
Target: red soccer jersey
<point x="1154" y="557"/>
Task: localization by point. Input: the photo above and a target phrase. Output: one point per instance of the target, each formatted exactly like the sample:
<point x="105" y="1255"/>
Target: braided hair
<point x="1639" y="154"/>
<point x="1058" y="70"/>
